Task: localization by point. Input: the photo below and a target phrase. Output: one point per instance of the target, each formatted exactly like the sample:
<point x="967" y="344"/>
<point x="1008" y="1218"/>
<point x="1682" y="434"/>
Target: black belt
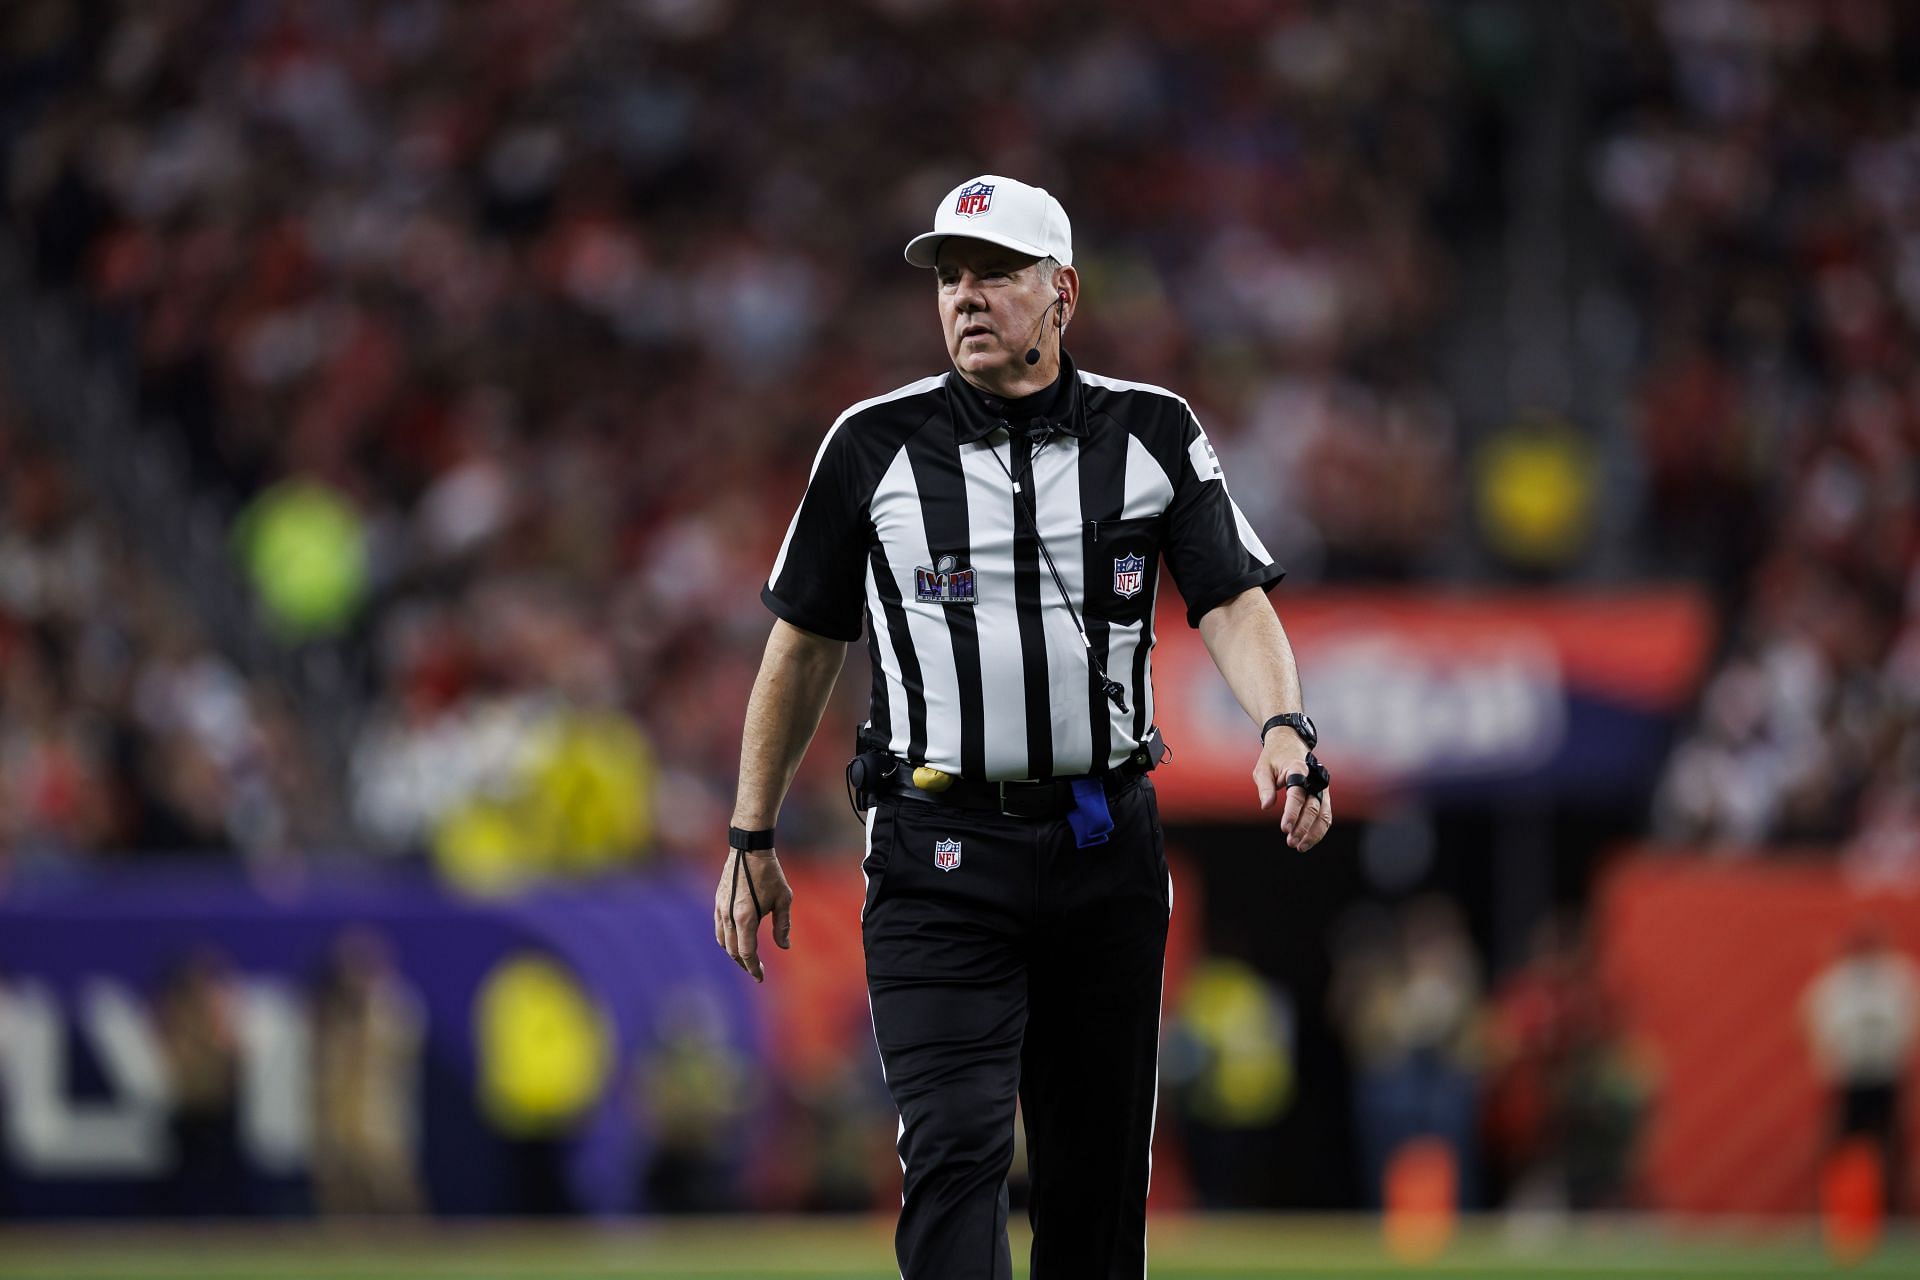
<point x="1049" y="798"/>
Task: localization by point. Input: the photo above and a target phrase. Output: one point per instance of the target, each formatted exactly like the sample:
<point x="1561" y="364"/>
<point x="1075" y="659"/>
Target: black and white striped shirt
<point x="908" y="521"/>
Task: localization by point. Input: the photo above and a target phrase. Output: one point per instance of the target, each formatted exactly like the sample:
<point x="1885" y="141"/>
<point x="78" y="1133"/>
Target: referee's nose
<point x="961" y="308"/>
<point x="967" y="295"/>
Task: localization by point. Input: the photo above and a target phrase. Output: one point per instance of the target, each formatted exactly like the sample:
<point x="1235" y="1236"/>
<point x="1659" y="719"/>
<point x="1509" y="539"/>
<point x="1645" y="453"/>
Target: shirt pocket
<point x="1123" y="562"/>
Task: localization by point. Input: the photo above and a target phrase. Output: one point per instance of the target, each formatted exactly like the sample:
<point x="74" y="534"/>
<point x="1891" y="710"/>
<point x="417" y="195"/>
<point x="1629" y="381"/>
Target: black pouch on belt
<point x="867" y="773"/>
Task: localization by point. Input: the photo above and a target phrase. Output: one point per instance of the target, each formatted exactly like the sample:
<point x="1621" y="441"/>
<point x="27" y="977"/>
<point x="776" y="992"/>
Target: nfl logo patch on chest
<point x="1128" y="575"/>
<point x="974" y="200"/>
<point x="946" y="854"/>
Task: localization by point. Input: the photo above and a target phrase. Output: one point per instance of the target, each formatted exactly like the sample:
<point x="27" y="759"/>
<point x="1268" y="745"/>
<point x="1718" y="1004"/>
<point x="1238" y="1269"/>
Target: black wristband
<point x="750" y="841"/>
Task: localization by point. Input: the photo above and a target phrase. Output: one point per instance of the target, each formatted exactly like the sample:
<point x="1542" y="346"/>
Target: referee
<point x="998" y="530"/>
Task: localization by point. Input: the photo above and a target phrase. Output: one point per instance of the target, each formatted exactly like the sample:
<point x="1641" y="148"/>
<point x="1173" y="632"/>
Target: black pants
<point x="1032" y="968"/>
<point x="1871" y="1109"/>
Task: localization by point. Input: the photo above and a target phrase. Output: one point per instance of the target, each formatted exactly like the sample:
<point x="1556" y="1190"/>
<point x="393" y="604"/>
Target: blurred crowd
<point x="121" y="728"/>
<point x="554" y="300"/>
<point x="469" y="299"/>
<point x="483" y="293"/>
<point x="1760" y="167"/>
<point x="1532" y="1087"/>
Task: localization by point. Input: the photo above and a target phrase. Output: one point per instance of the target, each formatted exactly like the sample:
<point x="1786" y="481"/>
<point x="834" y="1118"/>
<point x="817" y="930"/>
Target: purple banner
<point x="500" y="1062"/>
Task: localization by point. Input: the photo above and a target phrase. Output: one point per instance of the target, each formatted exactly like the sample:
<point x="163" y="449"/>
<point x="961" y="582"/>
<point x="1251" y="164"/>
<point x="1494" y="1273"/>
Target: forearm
<point x="790" y="694"/>
<point x="1250" y="648"/>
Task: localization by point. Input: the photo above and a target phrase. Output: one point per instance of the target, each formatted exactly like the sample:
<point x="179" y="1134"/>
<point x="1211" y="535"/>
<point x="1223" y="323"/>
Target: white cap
<point x="1000" y="211"/>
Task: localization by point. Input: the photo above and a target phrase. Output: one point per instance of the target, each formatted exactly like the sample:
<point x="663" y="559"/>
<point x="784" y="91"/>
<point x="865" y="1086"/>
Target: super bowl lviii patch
<point x="948" y="582"/>
<point x="1129" y="573"/>
<point x="946" y="854"/>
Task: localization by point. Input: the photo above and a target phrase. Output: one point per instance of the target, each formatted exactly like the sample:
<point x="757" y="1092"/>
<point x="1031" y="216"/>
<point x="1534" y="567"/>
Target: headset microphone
<point x="1033" y="352"/>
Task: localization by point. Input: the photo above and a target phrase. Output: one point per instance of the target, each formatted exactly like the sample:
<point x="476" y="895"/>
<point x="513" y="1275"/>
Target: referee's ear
<point x="1066" y="283"/>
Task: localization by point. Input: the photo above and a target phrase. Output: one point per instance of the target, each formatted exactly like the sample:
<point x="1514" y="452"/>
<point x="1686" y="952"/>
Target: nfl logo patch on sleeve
<point x="946" y="854"/>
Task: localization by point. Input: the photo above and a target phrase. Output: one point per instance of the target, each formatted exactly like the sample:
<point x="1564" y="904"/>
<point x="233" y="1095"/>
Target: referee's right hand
<point x="736" y="924"/>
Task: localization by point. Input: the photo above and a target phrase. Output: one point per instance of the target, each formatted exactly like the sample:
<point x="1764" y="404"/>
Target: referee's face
<point x="992" y="304"/>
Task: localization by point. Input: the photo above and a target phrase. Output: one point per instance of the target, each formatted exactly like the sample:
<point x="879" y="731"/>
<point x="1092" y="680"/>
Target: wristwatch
<point x="1298" y="721"/>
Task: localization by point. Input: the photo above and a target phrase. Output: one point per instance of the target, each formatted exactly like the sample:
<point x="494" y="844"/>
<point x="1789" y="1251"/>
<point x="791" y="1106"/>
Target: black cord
<point x="733" y="889"/>
<point x="1111" y="687"/>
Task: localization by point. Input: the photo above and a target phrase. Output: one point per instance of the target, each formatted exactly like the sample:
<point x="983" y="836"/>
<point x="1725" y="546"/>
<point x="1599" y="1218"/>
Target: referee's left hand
<point x="1303" y="818"/>
<point x="736" y="925"/>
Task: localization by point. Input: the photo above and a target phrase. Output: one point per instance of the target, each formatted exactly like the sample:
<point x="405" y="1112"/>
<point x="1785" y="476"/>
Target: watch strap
<point x="1293" y="720"/>
<point x="750" y="841"/>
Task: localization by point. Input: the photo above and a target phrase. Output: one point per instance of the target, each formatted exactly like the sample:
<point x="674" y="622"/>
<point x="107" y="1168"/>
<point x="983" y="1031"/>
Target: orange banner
<point x="1709" y="964"/>
<point x="1413" y="689"/>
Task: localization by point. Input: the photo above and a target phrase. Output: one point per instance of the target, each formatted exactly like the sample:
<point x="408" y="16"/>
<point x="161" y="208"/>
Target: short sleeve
<point x="818" y="581"/>
<point x="1212" y="550"/>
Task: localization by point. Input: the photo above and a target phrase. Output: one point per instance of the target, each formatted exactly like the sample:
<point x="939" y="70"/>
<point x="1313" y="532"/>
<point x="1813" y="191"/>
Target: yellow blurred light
<point x="305" y="551"/>
<point x="1534" y="489"/>
<point x="544" y="1048"/>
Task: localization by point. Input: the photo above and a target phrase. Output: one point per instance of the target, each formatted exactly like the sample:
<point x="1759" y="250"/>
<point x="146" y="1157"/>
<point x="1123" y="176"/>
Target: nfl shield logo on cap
<point x="974" y="200"/>
<point x="946" y="854"/>
<point x="1127" y="573"/>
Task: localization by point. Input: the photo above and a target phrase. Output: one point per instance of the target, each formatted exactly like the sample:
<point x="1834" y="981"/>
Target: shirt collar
<point x="976" y="414"/>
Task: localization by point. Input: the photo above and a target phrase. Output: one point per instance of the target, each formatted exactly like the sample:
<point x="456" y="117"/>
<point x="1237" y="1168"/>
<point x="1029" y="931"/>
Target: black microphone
<point x="1033" y="352"/>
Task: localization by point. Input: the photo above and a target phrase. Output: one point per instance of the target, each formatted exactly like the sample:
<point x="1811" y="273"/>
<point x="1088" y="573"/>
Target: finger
<point x="1302" y="833"/>
<point x="1322" y="823"/>
<point x="1263" y="783"/>
<point x="1290" y="815"/>
<point x="746" y="928"/>
<point x="729" y="933"/>
<point x="783" y="925"/>
<point x="731" y="940"/>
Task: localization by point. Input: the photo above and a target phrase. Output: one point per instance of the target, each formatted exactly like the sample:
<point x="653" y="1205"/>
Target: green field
<point x="1215" y="1248"/>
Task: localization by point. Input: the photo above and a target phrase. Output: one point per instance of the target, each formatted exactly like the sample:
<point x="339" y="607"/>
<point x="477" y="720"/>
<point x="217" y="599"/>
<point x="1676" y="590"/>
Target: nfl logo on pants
<point x="946" y="854"/>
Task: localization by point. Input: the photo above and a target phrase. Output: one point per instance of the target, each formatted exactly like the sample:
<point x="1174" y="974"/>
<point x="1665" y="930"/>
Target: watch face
<point x="1309" y="731"/>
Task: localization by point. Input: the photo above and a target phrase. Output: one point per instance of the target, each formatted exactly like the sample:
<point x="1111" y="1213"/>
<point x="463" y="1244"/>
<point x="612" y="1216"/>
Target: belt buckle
<point x="1029" y="800"/>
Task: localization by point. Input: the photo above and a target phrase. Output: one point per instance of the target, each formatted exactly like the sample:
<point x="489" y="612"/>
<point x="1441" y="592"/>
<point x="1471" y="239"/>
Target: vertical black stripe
<point x="1140" y="653"/>
<point x="1033" y="636"/>
<point x="1103" y="495"/>
<point x="903" y="652"/>
<point x="879" y="709"/>
<point x="935" y="458"/>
